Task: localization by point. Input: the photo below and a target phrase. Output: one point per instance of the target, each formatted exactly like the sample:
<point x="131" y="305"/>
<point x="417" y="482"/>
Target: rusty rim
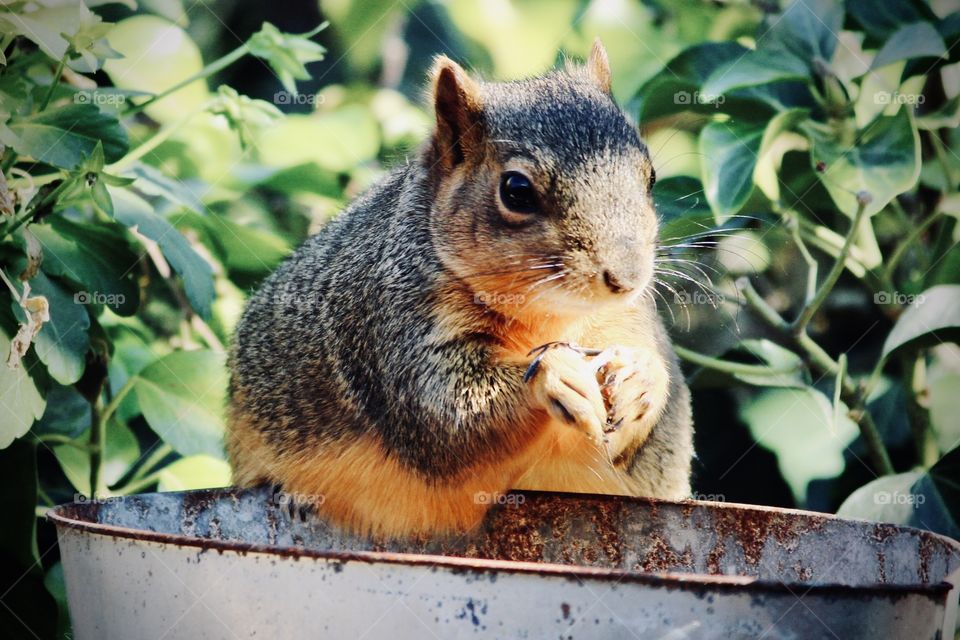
<point x="671" y="580"/>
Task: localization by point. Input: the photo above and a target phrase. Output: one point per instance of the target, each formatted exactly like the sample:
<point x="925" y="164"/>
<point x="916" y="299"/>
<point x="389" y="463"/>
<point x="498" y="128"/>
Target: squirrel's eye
<point x="517" y="193"/>
<point x="653" y="179"/>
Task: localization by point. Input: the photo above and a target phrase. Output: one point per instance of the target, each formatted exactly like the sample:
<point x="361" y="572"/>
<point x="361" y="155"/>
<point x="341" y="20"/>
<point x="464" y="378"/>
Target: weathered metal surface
<point x="235" y="564"/>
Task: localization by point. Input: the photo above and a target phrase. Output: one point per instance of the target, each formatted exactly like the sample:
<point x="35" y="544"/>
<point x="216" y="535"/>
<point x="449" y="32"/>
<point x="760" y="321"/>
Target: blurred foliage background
<point x="807" y="163"/>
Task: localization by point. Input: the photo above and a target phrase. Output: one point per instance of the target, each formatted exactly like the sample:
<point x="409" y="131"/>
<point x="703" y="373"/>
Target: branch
<point x="727" y="366"/>
<point x="820" y="361"/>
<point x="810" y="309"/>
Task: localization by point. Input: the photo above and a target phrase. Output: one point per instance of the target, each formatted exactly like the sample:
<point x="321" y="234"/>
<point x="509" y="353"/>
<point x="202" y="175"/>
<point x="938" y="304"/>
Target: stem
<point x="98" y="441"/>
<point x="56" y="80"/>
<point x="47" y="200"/>
<point x="915" y="380"/>
<point x="727" y="366"/>
<point x="98" y="434"/>
<point x="151" y="143"/>
<point x="907" y="242"/>
<point x="153" y="460"/>
<point x="756" y="302"/>
<point x="821" y="362"/>
<point x="60" y="439"/>
<point x="810" y="309"/>
<point x="138" y="485"/>
<point x="118" y="398"/>
<point x="940" y="151"/>
<point x="812" y="266"/>
<point x="212" y="68"/>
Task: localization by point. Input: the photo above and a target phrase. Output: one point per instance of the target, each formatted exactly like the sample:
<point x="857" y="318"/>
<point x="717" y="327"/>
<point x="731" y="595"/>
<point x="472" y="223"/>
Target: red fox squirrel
<point x="480" y="320"/>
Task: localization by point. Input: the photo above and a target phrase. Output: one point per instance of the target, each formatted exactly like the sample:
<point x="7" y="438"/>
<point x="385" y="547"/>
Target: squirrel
<point x="480" y="320"/>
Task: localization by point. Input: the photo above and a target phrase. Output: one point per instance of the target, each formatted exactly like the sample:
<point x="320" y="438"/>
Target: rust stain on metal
<point x="662" y="558"/>
<point x="606" y="521"/>
<point x="751" y="531"/>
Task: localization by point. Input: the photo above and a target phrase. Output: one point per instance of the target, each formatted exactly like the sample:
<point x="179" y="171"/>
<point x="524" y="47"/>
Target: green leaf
<point x="682" y="208"/>
<point x="195" y="472"/>
<point x="287" y="53"/>
<point x="797" y="425"/>
<point x="350" y="135"/>
<point x="153" y="182"/>
<point x="120" y="453"/>
<point x="728" y="154"/>
<point x="886" y="499"/>
<point x="755" y="68"/>
<point x="928" y="500"/>
<point x="21" y="403"/>
<point x="787" y="366"/>
<point x="933" y="318"/>
<point x="944" y="409"/>
<point x="807" y="29"/>
<point x="182" y="397"/>
<point x="882" y="19"/>
<point x="243" y="249"/>
<point x="244" y="115"/>
<point x="918" y="40"/>
<point x="67" y="412"/>
<point x="158" y="55"/>
<point x="96" y="258"/>
<point x="799" y="40"/>
<point x="54" y="28"/>
<point x="101" y="198"/>
<point x="135" y="213"/>
<point x="62" y="343"/>
<point x="883" y="160"/>
<point x="778" y="139"/>
<point x="67" y="135"/>
<point x="676" y="88"/>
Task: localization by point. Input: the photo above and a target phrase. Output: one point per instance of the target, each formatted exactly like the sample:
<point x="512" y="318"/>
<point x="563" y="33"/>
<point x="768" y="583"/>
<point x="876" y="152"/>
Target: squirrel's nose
<point x="615" y="284"/>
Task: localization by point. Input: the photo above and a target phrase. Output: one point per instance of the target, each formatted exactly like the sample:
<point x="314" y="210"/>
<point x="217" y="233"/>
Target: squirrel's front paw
<point x="565" y="383"/>
<point x="633" y="383"/>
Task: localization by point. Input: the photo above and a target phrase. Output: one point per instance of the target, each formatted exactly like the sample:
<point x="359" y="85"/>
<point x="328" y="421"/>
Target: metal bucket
<point x="234" y="564"/>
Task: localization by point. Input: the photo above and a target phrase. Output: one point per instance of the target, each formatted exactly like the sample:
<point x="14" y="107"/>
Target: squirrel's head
<point x="542" y="190"/>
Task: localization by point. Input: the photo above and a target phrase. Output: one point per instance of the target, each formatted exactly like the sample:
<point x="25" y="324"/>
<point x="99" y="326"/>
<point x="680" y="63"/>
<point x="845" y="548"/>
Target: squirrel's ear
<point x="598" y="66"/>
<point x="456" y="101"/>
